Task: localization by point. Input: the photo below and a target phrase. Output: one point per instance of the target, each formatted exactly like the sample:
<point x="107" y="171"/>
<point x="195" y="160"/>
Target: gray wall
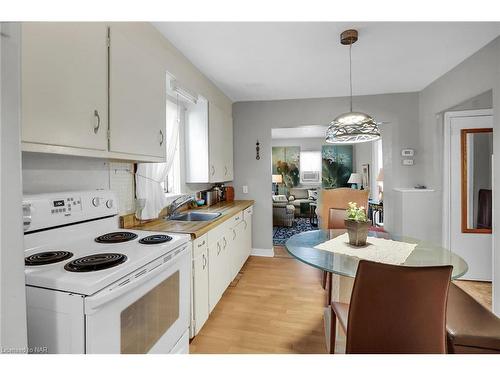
<point x="474" y="76"/>
<point x="254" y="120"/>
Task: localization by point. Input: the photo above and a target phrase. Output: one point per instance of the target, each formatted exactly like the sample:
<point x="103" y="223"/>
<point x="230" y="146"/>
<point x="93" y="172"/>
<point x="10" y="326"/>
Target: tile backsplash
<point x="121" y="181"/>
<point x="46" y="173"/>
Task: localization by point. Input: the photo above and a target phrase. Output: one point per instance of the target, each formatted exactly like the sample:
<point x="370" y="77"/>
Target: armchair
<point x="283" y="212"/>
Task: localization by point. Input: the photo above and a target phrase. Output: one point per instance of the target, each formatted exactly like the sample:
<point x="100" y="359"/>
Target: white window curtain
<point x="150" y="176"/>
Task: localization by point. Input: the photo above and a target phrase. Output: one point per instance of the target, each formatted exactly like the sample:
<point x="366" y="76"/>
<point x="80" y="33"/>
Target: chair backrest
<point x="333" y="203"/>
<point x="398" y="309"/>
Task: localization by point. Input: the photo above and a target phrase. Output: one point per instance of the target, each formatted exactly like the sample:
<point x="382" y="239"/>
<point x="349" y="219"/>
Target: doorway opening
<point x="303" y="164"/>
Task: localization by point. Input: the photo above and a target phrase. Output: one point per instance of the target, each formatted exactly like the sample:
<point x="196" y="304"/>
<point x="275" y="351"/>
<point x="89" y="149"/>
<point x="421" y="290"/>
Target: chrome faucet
<point x="175" y="205"/>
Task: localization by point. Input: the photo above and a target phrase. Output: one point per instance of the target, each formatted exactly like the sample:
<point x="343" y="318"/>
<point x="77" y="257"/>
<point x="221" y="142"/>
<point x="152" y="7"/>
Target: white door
<point x="64" y="84"/>
<point x="137" y="95"/>
<point x="470" y="189"/>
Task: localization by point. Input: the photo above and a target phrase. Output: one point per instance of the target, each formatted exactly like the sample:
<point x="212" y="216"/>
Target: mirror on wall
<point x="476" y="155"/>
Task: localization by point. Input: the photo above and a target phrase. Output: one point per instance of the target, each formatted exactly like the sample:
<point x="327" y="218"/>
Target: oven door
<point x="145" y="312"/>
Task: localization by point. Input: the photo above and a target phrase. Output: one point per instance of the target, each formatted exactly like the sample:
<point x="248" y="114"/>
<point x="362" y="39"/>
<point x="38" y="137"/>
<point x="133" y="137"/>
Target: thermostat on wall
<point x="407" y="152"/>
<point x="407" y="161"/>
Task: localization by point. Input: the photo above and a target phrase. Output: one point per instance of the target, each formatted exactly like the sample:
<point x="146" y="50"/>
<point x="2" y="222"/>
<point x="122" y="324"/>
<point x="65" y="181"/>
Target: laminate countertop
<point x="197" y="228"/>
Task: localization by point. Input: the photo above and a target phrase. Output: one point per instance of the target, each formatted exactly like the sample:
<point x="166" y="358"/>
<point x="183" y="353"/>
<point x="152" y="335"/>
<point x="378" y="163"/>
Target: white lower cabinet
<point x="218" y="257"/>
<point x="199" y="303"/>
<point x="247" y="216"/>
<point x="217" y="250"/>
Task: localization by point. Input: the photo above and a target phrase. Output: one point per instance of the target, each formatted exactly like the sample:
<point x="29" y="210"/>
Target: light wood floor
<point x="276" y="306"/>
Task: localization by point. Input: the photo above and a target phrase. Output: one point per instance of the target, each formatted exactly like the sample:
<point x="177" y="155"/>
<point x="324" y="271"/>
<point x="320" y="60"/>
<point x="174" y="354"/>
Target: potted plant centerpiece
<point x="357" y="225"/>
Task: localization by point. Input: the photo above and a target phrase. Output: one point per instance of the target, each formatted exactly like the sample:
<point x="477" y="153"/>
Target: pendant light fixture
<point x="352" y="127"/>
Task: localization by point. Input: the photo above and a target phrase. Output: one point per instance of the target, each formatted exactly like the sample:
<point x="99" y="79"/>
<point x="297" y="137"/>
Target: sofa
<point x="283" y="212"/>
<point x="300" y="199"/>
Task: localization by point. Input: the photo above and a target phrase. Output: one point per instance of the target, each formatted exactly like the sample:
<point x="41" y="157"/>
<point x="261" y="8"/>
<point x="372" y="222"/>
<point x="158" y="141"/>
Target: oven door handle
<point x="133" y="280"/>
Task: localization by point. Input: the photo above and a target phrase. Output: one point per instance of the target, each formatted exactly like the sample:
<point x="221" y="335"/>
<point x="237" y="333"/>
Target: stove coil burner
<point x="155" y="239"/>
<point x="116" y="237"/>
<point x="95" y="262"/>
<point x="47" y="257"/>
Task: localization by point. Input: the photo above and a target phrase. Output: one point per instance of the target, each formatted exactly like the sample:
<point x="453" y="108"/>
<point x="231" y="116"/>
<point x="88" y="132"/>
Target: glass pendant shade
<point x="352" y="127"/>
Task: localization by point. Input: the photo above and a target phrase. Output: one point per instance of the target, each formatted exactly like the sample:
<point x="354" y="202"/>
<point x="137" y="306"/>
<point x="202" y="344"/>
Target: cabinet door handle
<point x="162" y="138"/>
<point x="246" y="224"/>
<point x="98" y="122"/>
<point x="225" y="171"/>
<point x="204" y="261"/>
<point x="213" y="170"/>
<point x="225" y="242"/>
<point x="201" y="244"/>
<point x="234" y="234"/>
<point x="218" y="248"/>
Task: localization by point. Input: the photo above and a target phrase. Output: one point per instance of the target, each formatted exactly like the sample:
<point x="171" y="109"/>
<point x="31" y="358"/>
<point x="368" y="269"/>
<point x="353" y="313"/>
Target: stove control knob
<point x="96" y="202"/>
<point x="109" y="203"/>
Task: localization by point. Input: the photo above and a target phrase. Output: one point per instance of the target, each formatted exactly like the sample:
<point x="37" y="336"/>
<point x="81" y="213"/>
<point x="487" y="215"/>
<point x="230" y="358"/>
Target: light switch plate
<point x="245" y="189"/>
<point x="407" y="152"/>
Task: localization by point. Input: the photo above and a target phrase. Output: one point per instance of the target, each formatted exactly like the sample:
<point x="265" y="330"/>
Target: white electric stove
<point x="95" y="288"/>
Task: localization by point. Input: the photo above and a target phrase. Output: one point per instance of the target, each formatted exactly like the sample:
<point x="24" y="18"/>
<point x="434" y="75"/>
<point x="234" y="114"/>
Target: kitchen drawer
<point x="235" y="220"/>
<point x="200" y="244"/>
<point x="248" y="213"/>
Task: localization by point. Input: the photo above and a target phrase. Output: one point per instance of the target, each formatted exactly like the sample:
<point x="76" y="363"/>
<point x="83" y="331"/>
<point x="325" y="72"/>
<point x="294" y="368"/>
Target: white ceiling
<point x="266" y="61"/>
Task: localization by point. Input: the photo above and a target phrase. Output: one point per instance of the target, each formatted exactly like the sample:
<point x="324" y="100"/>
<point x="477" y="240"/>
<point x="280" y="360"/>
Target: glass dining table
<point x="301" y="246"/>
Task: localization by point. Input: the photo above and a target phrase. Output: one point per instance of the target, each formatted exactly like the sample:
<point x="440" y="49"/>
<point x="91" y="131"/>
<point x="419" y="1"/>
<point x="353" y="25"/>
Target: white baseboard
<point x="262" y="252"/>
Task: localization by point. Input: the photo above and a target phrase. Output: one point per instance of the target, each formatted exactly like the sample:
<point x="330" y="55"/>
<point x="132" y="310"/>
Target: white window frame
<point x="176" y="166"/>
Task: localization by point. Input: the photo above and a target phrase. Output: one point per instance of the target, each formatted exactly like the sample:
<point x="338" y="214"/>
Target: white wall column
<point x="13" y="336"/>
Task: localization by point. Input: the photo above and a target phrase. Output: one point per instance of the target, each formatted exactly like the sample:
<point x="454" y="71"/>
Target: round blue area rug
<point x="281" y="234"/>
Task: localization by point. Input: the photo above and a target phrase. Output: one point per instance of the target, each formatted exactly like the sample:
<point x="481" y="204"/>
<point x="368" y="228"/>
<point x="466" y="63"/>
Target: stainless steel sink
<point x="195" y="216"/>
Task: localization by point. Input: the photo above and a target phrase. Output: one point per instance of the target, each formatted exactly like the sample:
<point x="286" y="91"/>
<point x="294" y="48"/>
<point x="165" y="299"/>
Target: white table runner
<point x="376" y="249"/>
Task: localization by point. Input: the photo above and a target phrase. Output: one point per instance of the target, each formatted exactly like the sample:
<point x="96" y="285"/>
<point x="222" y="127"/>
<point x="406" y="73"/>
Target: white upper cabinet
<point x="221" y="144"/>
<point x="209" y="144"/>
<point x="137" y="95"/>
<point x="64" y="85"/>
<point x="196" y="142"/>
<point x="216" y="139"/>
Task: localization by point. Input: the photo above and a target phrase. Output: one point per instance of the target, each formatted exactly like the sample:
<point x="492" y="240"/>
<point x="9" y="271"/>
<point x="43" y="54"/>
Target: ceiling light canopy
<point x="352" y="127"/>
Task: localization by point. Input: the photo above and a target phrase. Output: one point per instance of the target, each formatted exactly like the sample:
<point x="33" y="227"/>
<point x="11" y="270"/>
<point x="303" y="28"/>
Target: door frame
<point x="448" y="116"/>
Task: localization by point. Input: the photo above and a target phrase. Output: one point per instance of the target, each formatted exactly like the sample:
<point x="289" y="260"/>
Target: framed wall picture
<point x="365" y="176"/>
<point x="336" y="165"/>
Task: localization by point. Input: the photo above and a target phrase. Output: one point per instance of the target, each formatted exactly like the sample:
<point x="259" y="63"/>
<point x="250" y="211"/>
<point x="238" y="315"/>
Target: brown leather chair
<point x="394" y="309"/>
<point x="332" y="204"/>
<point x="472" y="329"/>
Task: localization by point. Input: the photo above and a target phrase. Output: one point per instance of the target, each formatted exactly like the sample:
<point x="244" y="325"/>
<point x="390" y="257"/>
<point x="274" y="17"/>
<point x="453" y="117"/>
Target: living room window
<point x="310" y="167"/>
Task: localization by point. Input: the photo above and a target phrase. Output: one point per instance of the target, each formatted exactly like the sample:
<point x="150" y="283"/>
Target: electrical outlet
<point x="408" y="152"/>
<point x="245" y="189"/>
<point x="407" y="161"/>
